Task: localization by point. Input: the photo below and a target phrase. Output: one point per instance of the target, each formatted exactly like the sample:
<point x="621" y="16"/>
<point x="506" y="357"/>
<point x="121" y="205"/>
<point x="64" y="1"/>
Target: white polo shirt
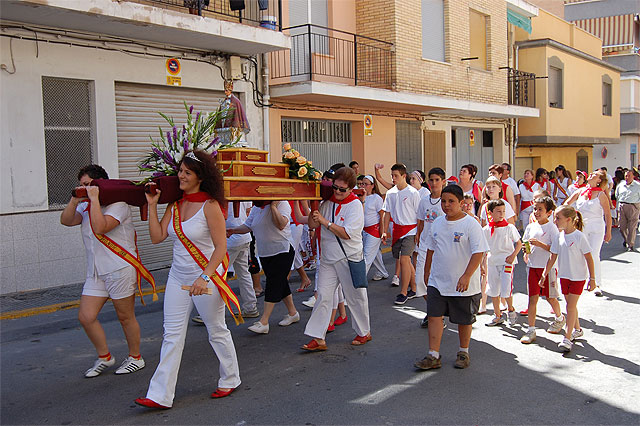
<point x="269" y="239"/>
<point x="403" y="206"/>
<point x="453" y="243"/>
<point x="101" y="260"/>
<point x="571" y="249"/>
<point x="508" y="211"/>
<point x="237" y="240"/>
<point x="546" y="234"/>
<point x="351" y="217"/>
<point x="512" y="184"/>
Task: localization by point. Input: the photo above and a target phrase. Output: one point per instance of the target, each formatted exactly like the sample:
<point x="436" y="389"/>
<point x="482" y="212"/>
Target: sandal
<point x="259" y="294"/>
<point x="221" y="394"/>
<point x="314" y="346"/>
<point x="361" y="340"/>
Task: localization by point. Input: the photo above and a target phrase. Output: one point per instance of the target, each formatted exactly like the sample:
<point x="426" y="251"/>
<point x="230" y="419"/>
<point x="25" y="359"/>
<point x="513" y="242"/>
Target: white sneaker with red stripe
<point x="130" y="365"/>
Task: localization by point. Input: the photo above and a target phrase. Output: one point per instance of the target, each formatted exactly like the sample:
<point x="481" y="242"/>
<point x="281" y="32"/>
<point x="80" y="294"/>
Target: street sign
<point x="173" y="72"/>
<point x="368" y="125"/>
<point x="472" y="137"/>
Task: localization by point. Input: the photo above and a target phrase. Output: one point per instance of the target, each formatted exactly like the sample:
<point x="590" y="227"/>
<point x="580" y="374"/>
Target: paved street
<point x="43" y="358"/>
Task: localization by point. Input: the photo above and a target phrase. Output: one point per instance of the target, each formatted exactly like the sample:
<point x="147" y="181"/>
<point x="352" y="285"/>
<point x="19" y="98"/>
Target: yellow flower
<point x="301" y="160"/>
<point x="287" y="146"/>
<point x="302" y="171"/>
<point x="296" y="153"/>
<point x="310" y="162"/>
<point x="318" y="176"/>
<point x="289" y="155"/>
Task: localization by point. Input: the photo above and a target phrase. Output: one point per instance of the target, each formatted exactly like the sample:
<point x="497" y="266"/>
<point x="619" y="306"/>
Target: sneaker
<point x="254" y="313"/>
<point x="462" y="360"/>
<point x="565" y="345"/>
<point x="395" y="281"/>
<point x="130" y="365"/>
<point x="310" y="267"/>
<point x="557" y="326"/>
<point x="495" y="322"/>
<point x="99" y="366"/>
<point x="411" y="294"/>
<point x="429" y="362"/>
<point x="259" y="328"/>
<point x="524" y="312"/>
<point x="379" y="277"/>
<point x="289" y="319"/>
<point x="425" y="322"/>
<point x="512" y="317"/>
<point x="197" y="319"/>
<point x="310" y="302"/>
<point x="529" y="337"/>
<point x="576" y="334"/>
<point x="401" y="299"/>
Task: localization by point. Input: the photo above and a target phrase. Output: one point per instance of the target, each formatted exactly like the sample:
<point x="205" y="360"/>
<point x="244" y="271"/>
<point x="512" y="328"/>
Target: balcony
<point x="249" y="31"/>
<point x="522" y="88"/>
<point x="324" y="54"/>
<point x="265" y="13"/>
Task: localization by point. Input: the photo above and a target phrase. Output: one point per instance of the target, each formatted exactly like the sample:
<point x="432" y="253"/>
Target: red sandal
<point x="221" y="394"/>
<point x="146" y="402"/>
<point x="314" y="346"/>
<point x="361" y="340"/>
<point x="340" y="320"/>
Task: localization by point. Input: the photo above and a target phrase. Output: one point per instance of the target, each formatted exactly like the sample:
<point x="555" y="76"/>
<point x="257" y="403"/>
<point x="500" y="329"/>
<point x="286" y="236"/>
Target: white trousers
<point x="524" y="216"/>
<point x="372" y="254"/>
<point x="595" y="235"/>
<point x="421" y="286"/>
<point x="329" y="276"/>
<point x="296" y="236"/>
<point x="239" y="258"/>
<point x="177" y="310"/>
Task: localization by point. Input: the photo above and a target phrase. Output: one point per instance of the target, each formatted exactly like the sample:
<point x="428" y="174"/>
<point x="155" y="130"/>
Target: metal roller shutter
<point x="137" y="118"/>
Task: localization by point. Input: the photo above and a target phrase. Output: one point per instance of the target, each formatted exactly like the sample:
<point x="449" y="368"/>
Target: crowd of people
<point x="455" y="240"/>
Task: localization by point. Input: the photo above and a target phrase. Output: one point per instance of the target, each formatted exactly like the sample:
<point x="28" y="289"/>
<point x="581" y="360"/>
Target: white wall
<point x="35" y="250"/>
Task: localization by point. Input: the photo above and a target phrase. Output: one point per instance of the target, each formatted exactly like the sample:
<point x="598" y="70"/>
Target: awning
<point x="616" y="32"/>
<point x="519" y="20"/>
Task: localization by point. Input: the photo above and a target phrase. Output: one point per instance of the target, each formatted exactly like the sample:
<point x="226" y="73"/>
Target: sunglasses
<point x="337" y="188"/>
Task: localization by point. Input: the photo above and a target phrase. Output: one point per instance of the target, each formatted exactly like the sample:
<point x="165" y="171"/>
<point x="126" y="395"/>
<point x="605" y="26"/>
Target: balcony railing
<point x="522" y="88"/>
<point x="325" y="54"/>
<point x="265" y="13"/>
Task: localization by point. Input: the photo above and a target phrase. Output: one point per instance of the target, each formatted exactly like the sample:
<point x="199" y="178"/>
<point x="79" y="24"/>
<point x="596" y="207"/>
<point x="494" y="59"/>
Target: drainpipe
<point x="512" y="159"/>
<point x="266" y="98"/>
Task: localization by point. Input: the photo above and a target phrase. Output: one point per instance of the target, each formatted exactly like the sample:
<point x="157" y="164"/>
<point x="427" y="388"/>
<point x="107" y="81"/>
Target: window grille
<point x="409" y="144"/>
<point x="324" y="142"/>
<point x="68" y="134"/>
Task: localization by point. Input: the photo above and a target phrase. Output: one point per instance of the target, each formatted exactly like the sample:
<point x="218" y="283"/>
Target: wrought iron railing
<point x="265" y="13"/>
<point x="321" y="53"/>
<point x="522" y="88"/>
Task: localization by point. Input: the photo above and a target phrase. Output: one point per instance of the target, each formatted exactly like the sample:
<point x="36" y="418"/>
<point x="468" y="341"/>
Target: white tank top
<point x="564" y="183"/>
<point x="196" y="230"/>
<point x="591" y="210"/>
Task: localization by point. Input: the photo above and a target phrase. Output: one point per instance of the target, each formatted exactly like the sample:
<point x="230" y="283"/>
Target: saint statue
<point x="234" y="122"/>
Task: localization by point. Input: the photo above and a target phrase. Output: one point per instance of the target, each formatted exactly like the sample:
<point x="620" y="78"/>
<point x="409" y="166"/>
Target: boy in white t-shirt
<point x="456" y="246"/>
<point x="539" y="235"/>
<point x="401" y="204"/>
<point x="504" y="246"/>
<point x="429" y="210"/>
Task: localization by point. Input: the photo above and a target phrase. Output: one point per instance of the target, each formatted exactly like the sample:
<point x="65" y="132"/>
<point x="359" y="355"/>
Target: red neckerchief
<point x="347" y="200"/>
<point x="580" y="186"/>
<point x="542" y="183"/>
<point x="493" y="225"/>
<point x="590" y="190"/>
<point x="529" y="186"/>
<point x="196" y="197"/>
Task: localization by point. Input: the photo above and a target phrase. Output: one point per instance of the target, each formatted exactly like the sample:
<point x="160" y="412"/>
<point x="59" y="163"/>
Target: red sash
<point x="373" y="230"/>
<point x="525" y="205"/>
<point x="504" y="189"/>
<point x="477" y="193"/>
<point x="493" y="225"/>
<point x="400" y="231"/>
<point x="132" y="260"/>
<point x="556" y="182"/>
<point x="201" y="260"/>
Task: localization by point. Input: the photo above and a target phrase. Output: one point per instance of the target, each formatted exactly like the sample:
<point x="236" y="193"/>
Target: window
<point x="324" y="142"/>
<point x="478" y="39"/>
<point x="582" y="160"/>
<point x="606" y="95"/>
<point x="68" y="134"/>
<point x="433" y="30"/>
<point x="487" y="139"/>
<point x="555" y="87"/>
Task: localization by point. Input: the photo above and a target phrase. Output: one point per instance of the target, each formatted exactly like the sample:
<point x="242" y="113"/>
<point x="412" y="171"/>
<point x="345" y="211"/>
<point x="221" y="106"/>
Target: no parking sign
<point x="173" y="71"/>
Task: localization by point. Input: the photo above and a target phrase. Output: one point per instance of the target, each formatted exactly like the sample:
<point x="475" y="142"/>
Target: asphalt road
<point x="43" y="358"/>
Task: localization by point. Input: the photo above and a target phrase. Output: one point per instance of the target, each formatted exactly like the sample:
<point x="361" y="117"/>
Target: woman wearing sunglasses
<point x="340" y="221"/>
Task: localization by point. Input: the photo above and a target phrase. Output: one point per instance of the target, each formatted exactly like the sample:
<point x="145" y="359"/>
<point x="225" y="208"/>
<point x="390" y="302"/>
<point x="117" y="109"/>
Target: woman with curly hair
<point x="196" y="218"/>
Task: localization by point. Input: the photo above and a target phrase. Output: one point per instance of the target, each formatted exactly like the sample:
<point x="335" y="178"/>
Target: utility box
<point x="235" y="68"/>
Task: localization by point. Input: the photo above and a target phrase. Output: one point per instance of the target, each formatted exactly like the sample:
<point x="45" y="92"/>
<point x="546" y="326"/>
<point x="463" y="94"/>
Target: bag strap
<point x="333" y="217"/>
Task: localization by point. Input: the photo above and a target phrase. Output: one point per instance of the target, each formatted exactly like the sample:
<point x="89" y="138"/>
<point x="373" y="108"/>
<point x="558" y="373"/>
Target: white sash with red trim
<point x="201" y="260"/>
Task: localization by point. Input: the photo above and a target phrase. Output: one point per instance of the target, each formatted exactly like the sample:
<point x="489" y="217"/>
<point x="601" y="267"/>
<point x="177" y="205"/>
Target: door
<point x="434" y="150"/>
<point x="409" y="144"/>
